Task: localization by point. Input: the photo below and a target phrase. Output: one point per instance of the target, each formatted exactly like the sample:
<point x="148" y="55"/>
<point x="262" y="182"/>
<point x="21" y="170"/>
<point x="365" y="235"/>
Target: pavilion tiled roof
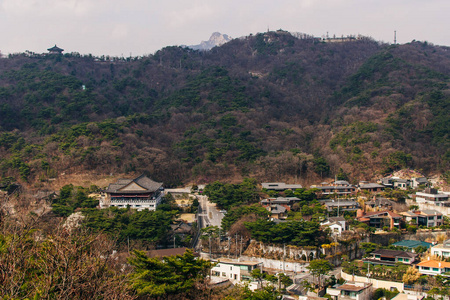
<point x="55" y="49"/>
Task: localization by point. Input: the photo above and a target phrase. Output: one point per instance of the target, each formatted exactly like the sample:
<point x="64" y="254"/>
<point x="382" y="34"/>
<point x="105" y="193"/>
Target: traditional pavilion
<point x="55" y="50"/>
<point x="139" y="193"/>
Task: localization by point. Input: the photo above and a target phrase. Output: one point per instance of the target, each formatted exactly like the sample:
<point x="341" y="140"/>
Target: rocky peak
<point x="216" y="39"/>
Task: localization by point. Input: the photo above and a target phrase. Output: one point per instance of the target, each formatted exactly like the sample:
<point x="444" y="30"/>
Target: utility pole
<point x="236" y="246"/>
<point x="210" y="246"/>
<point x="218" y="244"/>
<point x="229" y="246"/>
<point x="338" y="206"/>
<point x="240" y="254"/>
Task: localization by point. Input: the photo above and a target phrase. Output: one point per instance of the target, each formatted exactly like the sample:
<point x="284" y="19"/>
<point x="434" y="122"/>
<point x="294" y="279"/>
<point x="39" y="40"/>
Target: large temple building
<point x="139" y="193"/>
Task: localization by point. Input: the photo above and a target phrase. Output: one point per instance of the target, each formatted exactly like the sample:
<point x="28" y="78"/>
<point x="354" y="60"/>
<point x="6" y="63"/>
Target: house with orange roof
<point x="379" y="219"/>
<point x="434" y="267"/>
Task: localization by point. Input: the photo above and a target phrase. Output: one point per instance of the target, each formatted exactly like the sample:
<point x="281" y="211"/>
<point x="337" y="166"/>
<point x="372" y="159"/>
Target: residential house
<point x="139" y="193"/>
<point x="340" y="183"/>
<point x="286" y="202"/>
<point x="351" y="291"/>
<point x="402" y="184"/>
<point x="433" y="267"/>
<point x="336" y="224"/>
<point x="236" y="271"/>
<point x="387" y="182"/>
<point x="419" y="181"/>
<point x="441" y="250"/>
<point x="276" y="211"/>
<point x="338" y="190"/>
<point x="380" y="203"/>
<point x="182" y="230"/>
<point x="336" y="228"/>
<point x="432" y="196"/>
<point x="427" y="218"/>
<point x="341" y="205"/>
<point x="411" y="245"/>
<point x="379" y="219"/>
<point x="391" y="257"/>
<point x="280" y="186"/>
<point x="370" y="187"/>
<point x="340" y="220"/>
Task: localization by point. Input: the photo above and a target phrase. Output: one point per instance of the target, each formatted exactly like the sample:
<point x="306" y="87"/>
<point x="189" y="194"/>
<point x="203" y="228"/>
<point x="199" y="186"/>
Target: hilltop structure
<point x="55" y="50"/>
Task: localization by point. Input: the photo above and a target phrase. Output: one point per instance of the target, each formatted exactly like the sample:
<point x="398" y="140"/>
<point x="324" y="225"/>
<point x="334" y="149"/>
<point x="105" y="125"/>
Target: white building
<point x="336" y="225"/>
<point x="235" y="271"/>
<point x="441" y="250"/>
<point x="139" y="193"/>
<point x="432" y="196"/>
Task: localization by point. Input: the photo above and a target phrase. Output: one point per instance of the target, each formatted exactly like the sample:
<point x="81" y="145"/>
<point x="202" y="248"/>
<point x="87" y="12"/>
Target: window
<point x="235" y="276"/>
<point x="435" y="269"/>
<point x="406" y="260"/>
<point x="425" y="268"/>
<point x="223" y="274"/>
<point x="399" y="259"/>
<point x="215" y="273"/>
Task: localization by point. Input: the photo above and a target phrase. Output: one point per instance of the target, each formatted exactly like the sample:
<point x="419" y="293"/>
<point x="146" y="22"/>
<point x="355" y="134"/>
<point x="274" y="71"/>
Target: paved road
<point x="211" y="215"/>
<point x="208" y="215"/>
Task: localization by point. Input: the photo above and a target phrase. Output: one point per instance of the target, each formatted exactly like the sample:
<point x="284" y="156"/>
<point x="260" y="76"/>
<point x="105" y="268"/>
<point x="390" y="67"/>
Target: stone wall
<point x="280" y="265"/>
<point x="376" y="283"/>
<point x="426" y="206"/>
<point x="257" y="249"/>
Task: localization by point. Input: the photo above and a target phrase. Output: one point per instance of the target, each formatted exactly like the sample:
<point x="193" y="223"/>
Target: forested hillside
<point x="270" y="106"/>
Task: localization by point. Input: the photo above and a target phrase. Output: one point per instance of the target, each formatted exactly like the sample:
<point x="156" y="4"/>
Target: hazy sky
<point x="113" y="27"/>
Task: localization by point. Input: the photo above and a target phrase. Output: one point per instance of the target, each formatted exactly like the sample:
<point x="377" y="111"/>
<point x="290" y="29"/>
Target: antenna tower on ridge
<point x="395" y="37"/>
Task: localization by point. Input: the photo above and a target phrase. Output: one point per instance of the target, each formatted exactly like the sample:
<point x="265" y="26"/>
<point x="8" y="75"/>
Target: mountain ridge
<point x="270" y="106"/>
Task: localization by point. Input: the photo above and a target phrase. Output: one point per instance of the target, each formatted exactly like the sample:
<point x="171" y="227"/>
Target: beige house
<point x="351" y="291"/>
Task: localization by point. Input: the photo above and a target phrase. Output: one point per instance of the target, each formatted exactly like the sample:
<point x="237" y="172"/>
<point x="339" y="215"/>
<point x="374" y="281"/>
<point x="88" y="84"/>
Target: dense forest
<point x="269" y="106"/>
